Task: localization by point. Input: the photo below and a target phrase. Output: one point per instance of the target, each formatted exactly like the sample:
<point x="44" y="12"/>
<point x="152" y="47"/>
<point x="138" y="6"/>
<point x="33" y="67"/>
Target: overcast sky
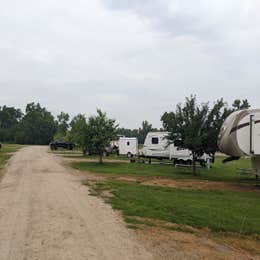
<point x="134" y="59"/>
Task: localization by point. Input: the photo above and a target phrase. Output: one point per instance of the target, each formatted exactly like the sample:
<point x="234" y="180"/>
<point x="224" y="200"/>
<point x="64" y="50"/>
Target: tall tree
<point x="240" y="104"/>
<point x="9" y="119"/>
<point x="37" y="126"/>
<point x="100" y="131"/>
<point x="215" y="119"/>
<point x="128" y="132"/>
<point x="62" y="133"/>
<point x="63" y="123"/>
<point x="195" y="127"/>
<point x="144" y="130"/>
<point x="78" y="131"/>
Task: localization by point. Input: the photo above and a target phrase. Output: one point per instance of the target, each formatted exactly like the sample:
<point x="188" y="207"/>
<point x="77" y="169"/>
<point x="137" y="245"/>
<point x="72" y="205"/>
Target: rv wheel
<point x="181" y="162"/>
<point x="129" y="155"/>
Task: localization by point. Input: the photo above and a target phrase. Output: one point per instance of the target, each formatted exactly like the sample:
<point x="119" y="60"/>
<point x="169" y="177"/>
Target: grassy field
<point x="6" y="153"/>
<point x="219" y="211"/>
<point x="237" y="212"/>
<point x="218" y="172"/>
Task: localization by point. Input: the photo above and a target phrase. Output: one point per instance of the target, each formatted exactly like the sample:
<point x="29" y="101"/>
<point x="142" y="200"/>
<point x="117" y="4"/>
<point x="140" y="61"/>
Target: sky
<point x="133" y="59"/>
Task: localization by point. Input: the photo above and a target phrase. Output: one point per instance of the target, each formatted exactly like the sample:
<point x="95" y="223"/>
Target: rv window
<point x="128" y="143"/>
<point x="155" y="140"/>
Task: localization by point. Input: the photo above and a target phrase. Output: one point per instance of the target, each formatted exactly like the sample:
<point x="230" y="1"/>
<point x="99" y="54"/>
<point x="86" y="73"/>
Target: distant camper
<point x="128" y="146"/>
<point x="156" y="147"/>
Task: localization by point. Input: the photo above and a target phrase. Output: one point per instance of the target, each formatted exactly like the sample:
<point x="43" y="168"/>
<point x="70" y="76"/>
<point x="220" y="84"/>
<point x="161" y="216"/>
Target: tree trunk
<point x="194" y="164"/>
<point x="101" y="158"/>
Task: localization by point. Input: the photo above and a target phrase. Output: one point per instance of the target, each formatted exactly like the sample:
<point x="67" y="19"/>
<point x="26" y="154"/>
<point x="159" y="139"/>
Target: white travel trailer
<point x="156" y="146"/>
<point x="128" y="146"/>
<point x="240" y="136"/>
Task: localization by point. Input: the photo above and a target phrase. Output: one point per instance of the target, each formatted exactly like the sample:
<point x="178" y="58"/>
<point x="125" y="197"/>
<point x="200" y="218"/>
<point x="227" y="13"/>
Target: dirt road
<point x="46" y="213"/>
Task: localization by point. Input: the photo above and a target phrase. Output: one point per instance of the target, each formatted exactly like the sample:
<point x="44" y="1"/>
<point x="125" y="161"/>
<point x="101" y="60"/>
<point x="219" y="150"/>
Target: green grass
<point x="78" y="154"/>
<point x="96" y="157"/>
<point x="218" y="172"/>
<point x="10" y="148"/>
<point x="5" y="152"/>
<point x="219" y="211"/>
<point x="3" y="159"/>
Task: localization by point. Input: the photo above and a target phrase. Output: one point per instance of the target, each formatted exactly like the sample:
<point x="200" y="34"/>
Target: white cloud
<point x="134" y="59"/>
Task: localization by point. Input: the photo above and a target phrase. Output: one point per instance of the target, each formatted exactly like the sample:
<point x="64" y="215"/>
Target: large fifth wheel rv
<point x="156" y="147"/>
<point x="240" y="136"/>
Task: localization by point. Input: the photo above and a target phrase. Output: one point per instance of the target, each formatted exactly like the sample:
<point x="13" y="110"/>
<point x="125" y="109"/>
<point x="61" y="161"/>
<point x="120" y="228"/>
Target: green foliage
<point x="196" y="126"/>
<point x="9" y="119"/>
<point x="128" y="132"/>
<point x="140" y="133"/>
<point x="192" y="125"/>
<point x="62" y="124"/>
<point x="78" y="131"/>
<point x="144" y="130"/>
<point x="94" y="134"/>
<point x="239" y="105"/>
<point x="100" y="131"/>
<point x="36" y="127"/>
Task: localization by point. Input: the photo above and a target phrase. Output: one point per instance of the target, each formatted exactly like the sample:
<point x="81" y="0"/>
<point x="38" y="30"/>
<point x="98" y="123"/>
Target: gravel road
<point x="46" y="213"/>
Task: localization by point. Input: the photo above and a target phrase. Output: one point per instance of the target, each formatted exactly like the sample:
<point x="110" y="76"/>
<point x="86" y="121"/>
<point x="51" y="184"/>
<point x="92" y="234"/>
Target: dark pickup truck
<point x="57" y="144"/>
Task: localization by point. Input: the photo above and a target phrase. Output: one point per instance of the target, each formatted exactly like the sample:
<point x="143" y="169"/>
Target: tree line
<point x="37" y="125"/>
<point x="191" y="126"/>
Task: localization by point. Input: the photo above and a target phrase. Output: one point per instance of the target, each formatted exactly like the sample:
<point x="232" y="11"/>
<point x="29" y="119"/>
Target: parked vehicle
<point x="240" y="136"/>
<point x="156" y="147"/>
<point x="58" y="144"/>
<point x="111" y="149"/>
<point x="128" y="146"/>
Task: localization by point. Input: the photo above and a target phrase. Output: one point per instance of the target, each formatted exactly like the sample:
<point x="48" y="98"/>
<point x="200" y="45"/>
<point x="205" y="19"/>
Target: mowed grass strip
<point x="5" y="153"/>
<point x="218" y="211"/>
<point x="10" y="148"/>
<point x="3" y="159"/>
<point x="218" y="172"/>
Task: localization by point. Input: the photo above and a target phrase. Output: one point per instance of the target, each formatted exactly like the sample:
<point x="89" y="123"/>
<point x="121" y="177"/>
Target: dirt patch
<point x="129" y="179"/>
<point x="165" y="182"/>
<point x="171" y="244"/>
<point x="202" y="185"/>
<point x="180" y="184"/>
